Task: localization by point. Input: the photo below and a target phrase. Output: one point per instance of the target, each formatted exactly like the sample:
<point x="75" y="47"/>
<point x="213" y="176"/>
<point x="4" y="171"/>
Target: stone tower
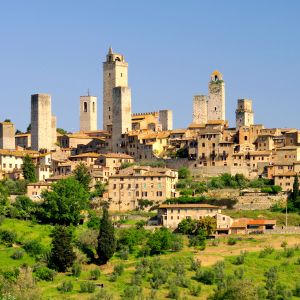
<point x="244" y="114"/>
<point x="200" y="109"/>
<point x="121" y="115"/>
<point x="216" y="97"/>
<point x="7" y="136"/>
<point x="166" y="119"/>
<point x="88" y="113"/>
<point x="54" y="132"/>
<point x="115" y="73"/>
<point x="41" y="122"/>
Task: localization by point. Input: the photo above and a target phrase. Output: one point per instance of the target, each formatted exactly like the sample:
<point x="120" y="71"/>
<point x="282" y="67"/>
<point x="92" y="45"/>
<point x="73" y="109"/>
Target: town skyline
<point x="252" y="62"/>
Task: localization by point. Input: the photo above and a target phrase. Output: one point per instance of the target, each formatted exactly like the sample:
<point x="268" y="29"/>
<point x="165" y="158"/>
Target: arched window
<point x="117" y="59"/>
<point x="93" y="106"/>
<point x="85" y="106"/>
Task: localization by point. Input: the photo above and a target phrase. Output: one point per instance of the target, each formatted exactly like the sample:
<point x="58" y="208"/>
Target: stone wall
<point x="200" y="109"/>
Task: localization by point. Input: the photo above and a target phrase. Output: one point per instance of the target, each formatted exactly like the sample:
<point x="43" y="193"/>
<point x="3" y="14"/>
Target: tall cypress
<point x="28" y="169"/>
<point x="106" y="238"/>
<point x="62" y="255"/>
<point x="295" y="188"/>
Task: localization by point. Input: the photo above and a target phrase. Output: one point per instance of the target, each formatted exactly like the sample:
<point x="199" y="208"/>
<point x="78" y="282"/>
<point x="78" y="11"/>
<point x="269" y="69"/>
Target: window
<point x="85" y="106"/>
<point x="93" y="106"/>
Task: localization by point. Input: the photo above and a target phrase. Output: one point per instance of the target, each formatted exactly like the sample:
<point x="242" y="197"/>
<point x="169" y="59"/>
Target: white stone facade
<point x="121" y="115"/>
<point x="216" y="97"/>
<point x="115" y="73"/>
<point x="41" y="122"/>
<point x="244" y="114"/>
<point x="200" y="109"/>
<point x="88" y="113"/>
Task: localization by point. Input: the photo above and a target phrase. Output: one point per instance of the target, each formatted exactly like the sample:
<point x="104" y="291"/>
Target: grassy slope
<point x="254" y="267"/>
<point x="293" y="218"/>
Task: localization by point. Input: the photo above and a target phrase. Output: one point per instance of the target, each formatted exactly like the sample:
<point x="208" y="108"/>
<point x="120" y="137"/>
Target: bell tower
<point x="115" y="74"/>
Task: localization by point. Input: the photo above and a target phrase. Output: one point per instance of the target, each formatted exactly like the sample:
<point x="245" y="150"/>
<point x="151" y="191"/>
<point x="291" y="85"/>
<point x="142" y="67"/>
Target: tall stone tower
<point x="88" y="113"/>
<point x="216" y="97"/>
<point x="41" y="122"/>
<point x="54" y="132"/>
<point x="244" y="114"/>
<point x="7" y="136"/>
<point x="166" y="119"/>
<point x="200" y="109"/>
<point x="115" y="73"/>
<point x="121" y="115"/>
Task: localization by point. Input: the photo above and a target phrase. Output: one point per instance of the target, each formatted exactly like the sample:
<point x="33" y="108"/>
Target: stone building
<point x="138" y="183"/>
<point x="23" y="140"/>
<point x="244" y="114"/>
<point x="115" y="74"/>
<point x="88" y="113"/>
<point x="121" y="112"/>
<point x="7" y="136"/>
<point x="166" y="119"/>
<point x="41" y="122"/>
<point x="200" y="109"/>
<point x="216" y="97"/>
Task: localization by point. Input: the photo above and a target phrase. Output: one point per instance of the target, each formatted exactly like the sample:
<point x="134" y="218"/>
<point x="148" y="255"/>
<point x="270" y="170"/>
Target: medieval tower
<point x="216" y="97"/>
<point x="88" y="113"/>
<point x="41" y="122"/>
<point x="115" y="74"/>
<point x="244" y="114"/>
<point x="166" y="119"/>
<point x="7" y="135"/>
<point x="121" y="114"/>
<point x="200" y="109"/>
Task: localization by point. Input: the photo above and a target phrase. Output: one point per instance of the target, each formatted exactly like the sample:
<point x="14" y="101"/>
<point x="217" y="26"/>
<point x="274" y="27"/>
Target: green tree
<point x="160" y="241"/>
<point x="106" y="238"/>
<point x="7" y="120"/>
<point x="99" y="190"/>
<point x="3" y="199"/>
<point x="64" y="203"/>
<point x="61" y="131"/>
<point x="82" y="175"/>
<point x="28" y="169"/>
<point x="295" y="193"/>
<point x="24" y="207"/>
<point x="62" y="255"/>
<point x="184" y="173"/>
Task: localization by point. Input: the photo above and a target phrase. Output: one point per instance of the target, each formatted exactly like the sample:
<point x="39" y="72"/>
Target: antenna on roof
<point x="88" y="92"/>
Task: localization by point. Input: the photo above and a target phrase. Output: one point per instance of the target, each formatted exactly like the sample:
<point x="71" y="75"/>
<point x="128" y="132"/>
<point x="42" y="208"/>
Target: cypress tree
<point x="62" y="255"/>
<point x="106" y="238"/>
<point x="295" y="188"/>
<point x="28" y="169"/>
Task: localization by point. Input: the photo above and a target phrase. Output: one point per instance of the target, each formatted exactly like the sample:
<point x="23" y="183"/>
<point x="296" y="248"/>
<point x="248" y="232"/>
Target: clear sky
<point x="172" y="46"/>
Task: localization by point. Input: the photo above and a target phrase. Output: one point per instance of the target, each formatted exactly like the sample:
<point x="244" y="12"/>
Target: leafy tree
<point x="24" y="207"/>
<point x="99" y="190"/>
<point x="160" y="241"/>
<point x="63" y="204"/>
<point x="3" y="199"/>
<point x="61" y="131"/>
<point x="295" y="193"/>
<point x="82" y="175"/>
<point x="192" y="226"/>
<point x="28" y="169"/>
<point x="62" y="255"/>
<point x="184" y="173"/>
<point x="106" y="238"/>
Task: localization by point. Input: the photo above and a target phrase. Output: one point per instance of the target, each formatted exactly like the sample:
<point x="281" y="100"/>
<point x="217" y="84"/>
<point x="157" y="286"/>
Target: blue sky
<point x="172" y="46"/>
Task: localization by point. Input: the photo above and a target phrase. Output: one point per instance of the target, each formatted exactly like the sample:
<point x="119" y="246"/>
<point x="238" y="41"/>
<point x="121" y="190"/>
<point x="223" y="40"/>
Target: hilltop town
<point x="138" y="189"/>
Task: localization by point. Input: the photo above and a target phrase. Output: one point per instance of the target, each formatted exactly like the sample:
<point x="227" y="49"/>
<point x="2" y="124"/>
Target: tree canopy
<point x="82" y="175"/>
<point x="64" y="203"/>
<point x="28" y="169"/>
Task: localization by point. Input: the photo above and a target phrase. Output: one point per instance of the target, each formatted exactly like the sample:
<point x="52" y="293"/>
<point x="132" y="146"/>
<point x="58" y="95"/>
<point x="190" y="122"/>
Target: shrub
<point x="33" y="248"/>
<point x="178" y="267"/>
<point x="296" y="291"/>
<point x="284" y="244"/>
<point x="195" y="264"/>
<point x="239" y="260"/>
<point x="195" y="290"/>
<point x="7" y="237"/>
<point x="289" y="252"/>
<point x="266" y="251"/>
<point x="205" y="276"/>
<point x="136" y="279"/>
<point x="267" y="190"/>
<point x="65" y="287"/>
<point x="113" y="277"/>
<point x="95" y="274"/>
<point x="44" y="273"/>
<point x="181" y="281"/>
<point x="124" y="253"/>
<point x="131" y="292"/>
<point x="87" y="287"/>
<point x="184" y="173"/>
<point x="231" y="241"/>
<point x="76" y="270"/>
<point x="103" y="295"/>
<point x="187" y="192"/>
<point x="177" y="243"/>
<point x="174" y="292"/>
<point x="119" y="269"/>
<point x="159" y="277"/>
<point x="18" y="254"/>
